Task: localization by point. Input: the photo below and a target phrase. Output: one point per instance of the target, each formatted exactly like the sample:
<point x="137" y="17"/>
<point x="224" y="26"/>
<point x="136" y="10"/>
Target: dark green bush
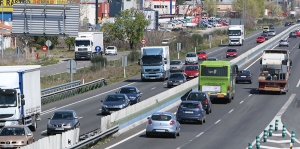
<point x="133" y="56"/>
<point x="197" y="39"/>
<point x="98" y="62"/>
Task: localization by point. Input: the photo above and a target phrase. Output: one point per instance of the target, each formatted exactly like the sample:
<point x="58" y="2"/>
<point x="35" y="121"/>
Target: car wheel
<point x="236" y="82"/>
<point x="178" y="134"/>
<point x="48" y="133"/>
<point x="204" y="121"/>
<point x="207" y="111"/>
<point x="229" y="100"/>
<point x="226" y="56"/>
<point x="147" y="135"/>
<point x="279" y="45"/>
<point x="174" y="135"/>
<point x="210" y="110"/>
<point x="250" y="82"/>
<point x="168" y="86"/>
<point x="201" y="122"/>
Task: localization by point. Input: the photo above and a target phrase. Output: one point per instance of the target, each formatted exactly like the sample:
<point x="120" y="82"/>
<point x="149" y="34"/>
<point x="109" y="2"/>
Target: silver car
<point x="162" y="123"/>
<point x="272" y="33"/>
<point x="176" y="65"/>
<point x="61" y="121"/>
<point x="283" y="42"/>
<point x="191" y="58"/>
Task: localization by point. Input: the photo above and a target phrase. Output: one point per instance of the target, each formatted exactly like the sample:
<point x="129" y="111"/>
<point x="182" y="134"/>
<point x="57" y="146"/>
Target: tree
<point x="210" y="6"/>
<point x="41" y="40"/>
<point x="274" y="8"/>
<point x="129" y="26"/>
<point x="69" y="41"/>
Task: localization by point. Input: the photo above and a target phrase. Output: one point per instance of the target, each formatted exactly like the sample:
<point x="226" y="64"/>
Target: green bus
<point x="217" y="78"/>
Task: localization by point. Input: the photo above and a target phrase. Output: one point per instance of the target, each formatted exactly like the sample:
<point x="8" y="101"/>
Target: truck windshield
<point x="152" y="61"/>
<point x="82" y="43"/>
<point x="8" y="100"/>
<point x="234" y="32"/>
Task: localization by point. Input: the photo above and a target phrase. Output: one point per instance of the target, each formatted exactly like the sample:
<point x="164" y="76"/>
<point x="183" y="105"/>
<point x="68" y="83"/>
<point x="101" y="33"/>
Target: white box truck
<point x="20" y="95"/>
<point x="87" y="44"/>
<point x="155" y="62"/>
<point x="236" y="32"/>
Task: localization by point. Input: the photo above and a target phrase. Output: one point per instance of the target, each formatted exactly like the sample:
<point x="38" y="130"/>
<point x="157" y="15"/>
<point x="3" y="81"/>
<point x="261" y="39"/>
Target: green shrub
<point x="98" y="62"/>
<point x="133" y="56"/>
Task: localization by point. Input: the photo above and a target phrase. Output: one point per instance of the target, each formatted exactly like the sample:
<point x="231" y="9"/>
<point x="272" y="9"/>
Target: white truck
<point x="236" y="32"/>
<point x="155" y="62"/>
<point x="20" y="95"/>
<point x="87" y="44"/>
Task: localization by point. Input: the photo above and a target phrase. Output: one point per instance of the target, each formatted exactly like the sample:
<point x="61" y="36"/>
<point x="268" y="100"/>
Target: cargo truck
<point x="275" y="71"/>
<point x="155" y="62"/>
<point x="20" y="95"/>
<point x="88" y="44"/>
<point x="236" y="32"/>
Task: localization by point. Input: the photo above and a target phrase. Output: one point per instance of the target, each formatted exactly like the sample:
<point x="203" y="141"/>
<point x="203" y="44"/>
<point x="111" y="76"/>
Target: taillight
<point x="228" y="87"/>
<point x="199" y="106"/>
<point x="248" y="77"/>
<point x="172" y="123"/>
<point x="206" y="101"/>
<point x="149" y="122"/>
<point x="238" y="76"/>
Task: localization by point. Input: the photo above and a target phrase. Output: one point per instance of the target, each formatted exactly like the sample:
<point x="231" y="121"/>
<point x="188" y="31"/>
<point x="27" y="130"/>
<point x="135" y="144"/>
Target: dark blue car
<point x="191" y="111"/>
<point x="114" y="102"/>
<point x="133" y="94"/>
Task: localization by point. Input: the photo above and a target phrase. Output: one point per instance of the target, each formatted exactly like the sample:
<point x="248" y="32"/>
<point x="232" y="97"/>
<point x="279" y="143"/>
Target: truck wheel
<point x="229" y="100"/>
<point x="34" y="125"/>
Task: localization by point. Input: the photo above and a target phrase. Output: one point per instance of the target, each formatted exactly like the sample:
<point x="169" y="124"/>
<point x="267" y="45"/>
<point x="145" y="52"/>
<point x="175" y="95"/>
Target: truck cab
<point x="83" y="47"/>
<point x="236" y="35"/>
<point x="155" y="62"/>
<point x="266" y="29"/>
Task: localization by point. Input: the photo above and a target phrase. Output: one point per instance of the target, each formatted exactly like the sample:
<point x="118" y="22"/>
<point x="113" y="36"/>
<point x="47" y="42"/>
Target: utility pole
<point x="96" y="15"/>
<point x="2" y="22"/>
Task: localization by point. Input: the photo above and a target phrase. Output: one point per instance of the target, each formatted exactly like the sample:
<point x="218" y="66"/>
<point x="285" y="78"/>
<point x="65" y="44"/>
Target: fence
<point x="60" y="87"/>
<point x="58" y="141"/>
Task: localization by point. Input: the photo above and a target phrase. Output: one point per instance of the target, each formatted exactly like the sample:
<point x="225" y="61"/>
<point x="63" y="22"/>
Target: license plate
<point x="243" y="76"/>
<point x="188" y="111"/>
<point x="82" y="57"/>
<point x="7" y="146"/>
<point x="231" y="55"/>
<point x="160" y="130"/>
<point x="152" y="78"/>
<point x="2" y="124"/>
<point x="191" y="76"/>
<point x="220" y="95"/>
<point x="59" y="128"/>
<point x="175" y="83"/>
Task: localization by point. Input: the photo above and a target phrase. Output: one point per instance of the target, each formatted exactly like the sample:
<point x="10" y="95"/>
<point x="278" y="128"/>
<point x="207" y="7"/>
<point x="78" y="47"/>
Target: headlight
<point x="69" y="124"/>
<point x="105" y="106"/>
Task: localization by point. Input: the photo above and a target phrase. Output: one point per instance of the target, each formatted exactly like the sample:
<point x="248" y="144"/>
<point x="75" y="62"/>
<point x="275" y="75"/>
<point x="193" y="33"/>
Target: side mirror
<point x="166" y="62"/>
<point x="29" y="134"/>
<point x="139" y="62"/>
<point x="101" y="100"/>
<point x="148" y="117"/>
<point x="22" y="102"/>
<point x="22" y="96"/>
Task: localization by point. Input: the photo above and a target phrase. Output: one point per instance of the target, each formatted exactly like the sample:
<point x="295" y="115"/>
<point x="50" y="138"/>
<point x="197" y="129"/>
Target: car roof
<point x="176" y="73"/>
<point x="64" y="111"/>
<point x="231" y="49"/>
<point x="115" y="94"/>
<point x="175" y="60"/>
<point x="191" y="53"/>
<point x="197" y="92"/>
<point x="128" y="87"/>
<point x="158" y="113"/>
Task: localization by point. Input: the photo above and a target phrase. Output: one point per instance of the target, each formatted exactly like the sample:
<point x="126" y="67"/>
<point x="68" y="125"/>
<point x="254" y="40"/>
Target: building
<point x="117" y="5"/>
<point x="88" y="11"/>
<point x="162" y="6"/>
<point x="152" y="17"/>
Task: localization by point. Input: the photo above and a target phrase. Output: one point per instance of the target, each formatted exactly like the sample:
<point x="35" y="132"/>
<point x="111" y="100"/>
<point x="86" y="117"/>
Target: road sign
<point x="143" y="41"/>
<point x="98" y="49"/>
<point x="71" y="66"/>
<point x="48" y="43"/>
<point x="178" y="46"/>
<point x="44" y="49"/>
<point x="210" y="38"/>
<point x="124" y="61"/>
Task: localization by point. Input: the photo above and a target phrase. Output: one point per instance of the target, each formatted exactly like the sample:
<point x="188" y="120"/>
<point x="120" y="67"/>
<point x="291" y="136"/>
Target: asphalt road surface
<point x="88" y="105"/>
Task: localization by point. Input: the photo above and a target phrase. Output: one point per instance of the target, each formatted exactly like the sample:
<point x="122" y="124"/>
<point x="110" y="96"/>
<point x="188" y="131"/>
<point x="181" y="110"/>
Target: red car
<point x="191" y="71"/>
<point x="260" y="39"/>
<point x="297" y="32"/>
<point x="231" y="53"/>
<point x="292" y="23"/>
<point x="202" y="55"/>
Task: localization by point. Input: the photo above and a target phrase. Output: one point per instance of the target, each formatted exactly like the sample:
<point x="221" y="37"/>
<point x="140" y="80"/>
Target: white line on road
<point x="217" y="121"/>
<point x="241" y="102"/>
<point x="43" y="131"/>
<point x="48" y="111"/>
<point x="153" y="88"/>
<point x="199" y="134"/>
<point x="298" y="83"/>
<point x="230" y="111"/>
<point x="164" y="83"/>
<point x="125" y="139"/>
<point x="250" y="95"/>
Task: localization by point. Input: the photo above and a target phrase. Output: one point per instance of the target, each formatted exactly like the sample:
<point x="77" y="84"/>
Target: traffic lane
<point x="62" y="66"/>
<point x="188" y="131"/>
<point x="90" y="110"/>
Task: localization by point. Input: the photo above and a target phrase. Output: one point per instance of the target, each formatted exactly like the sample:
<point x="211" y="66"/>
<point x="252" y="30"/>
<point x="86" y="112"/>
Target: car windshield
<point x="189" y="105"/>
<point x="115" y="98"/>
<point x="175" y="62"/>
<point x="191" y="55"/>
<point x="271" y="31"/>
<point x="165" y="40"/>
<point x="283" y="40"/>
<point x="231" y="50"/>
<point x="176" y="76"/>
<point x="128" y="90"/>
<point x="191" y="68"/>
<point x="110" y="47"/>
<point x="12" y="131"/>
<point x="201" y="53"/>
<point x="62" y="115"/>
<point x="244" y="72"/>
<point x="161" y="117"/>
<point x="211" y="59"/>
<point x="260" y="37"/>
<point x="196" y="96"/>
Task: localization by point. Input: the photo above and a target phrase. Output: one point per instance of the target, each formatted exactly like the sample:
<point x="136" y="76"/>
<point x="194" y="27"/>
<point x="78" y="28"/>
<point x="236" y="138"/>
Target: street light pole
<point x="2" y="48"/>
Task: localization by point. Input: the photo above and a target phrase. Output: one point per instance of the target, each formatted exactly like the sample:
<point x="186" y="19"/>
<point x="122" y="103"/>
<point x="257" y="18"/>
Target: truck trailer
<point x="275" y="71"/>
<point x="20" y="95"/>
<point x="155" y="62"/>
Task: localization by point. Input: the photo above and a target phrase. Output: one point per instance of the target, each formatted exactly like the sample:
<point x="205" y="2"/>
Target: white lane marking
<point x="153" y="88"/>
<point x="43" y="131"/>
<point x="164" y="83"/>
<point x="100" y="109"/>
<point x="250" y="95"/>
<point x="230" y="110"/>
<point x="298" y="83"/>
<point x="80" y="117"/>
<point x="125" y="139"/>
<point x="218" y="121"/>
<point x="48" y="111"/>
<point x="279" y="114"/>
<point x="241" y="102"/>
<point x="199" y="134"/>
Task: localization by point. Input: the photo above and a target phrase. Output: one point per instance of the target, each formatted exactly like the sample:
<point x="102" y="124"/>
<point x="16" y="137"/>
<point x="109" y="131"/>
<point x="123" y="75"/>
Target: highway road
<point x="88" y="105"/>
<point x="229" y="126"/>
<point x="62" y="66"/>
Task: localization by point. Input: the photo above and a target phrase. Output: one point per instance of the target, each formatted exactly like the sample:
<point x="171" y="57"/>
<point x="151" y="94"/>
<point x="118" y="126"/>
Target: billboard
<point x="9" y="3"/>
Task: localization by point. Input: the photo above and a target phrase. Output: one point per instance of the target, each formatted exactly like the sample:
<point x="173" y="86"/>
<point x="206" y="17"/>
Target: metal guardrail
<point x="60" y="87"/>
<point x="72" y="91"/>
<point x="93" y="137"/>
